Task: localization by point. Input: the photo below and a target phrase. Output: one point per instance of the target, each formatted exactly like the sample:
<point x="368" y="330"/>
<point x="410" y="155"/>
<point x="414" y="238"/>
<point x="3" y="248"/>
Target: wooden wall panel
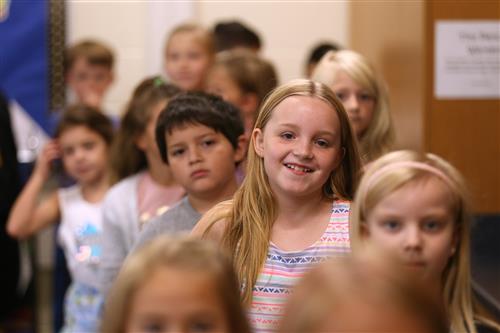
<point x="398" y="38"/>
<point x="391" y="35"/>
<point x="466" y="132"/>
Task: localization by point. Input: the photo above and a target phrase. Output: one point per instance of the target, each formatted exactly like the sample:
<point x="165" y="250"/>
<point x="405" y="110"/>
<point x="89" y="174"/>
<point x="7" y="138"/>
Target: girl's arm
<point x="28" y="214"/>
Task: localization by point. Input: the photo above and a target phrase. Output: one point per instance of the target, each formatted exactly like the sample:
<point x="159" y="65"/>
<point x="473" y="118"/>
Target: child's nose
<point x="195" y="155"/>
<point x="93" y="84"/>
<point x="183" y="62"/>
<point x="352" y="103"/>
<point x="413" y="239"/>
<point x="303" y="149"/>
<point x="79" y="154"/>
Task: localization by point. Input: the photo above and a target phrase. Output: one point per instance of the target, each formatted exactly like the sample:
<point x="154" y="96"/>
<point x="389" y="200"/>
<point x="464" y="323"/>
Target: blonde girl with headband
<point x="175" y="285"/>
<point x="292" y="209"/>
<point x="364" y="97"/>
<point x="144" y="185"/>
<point x="416" y="206"/>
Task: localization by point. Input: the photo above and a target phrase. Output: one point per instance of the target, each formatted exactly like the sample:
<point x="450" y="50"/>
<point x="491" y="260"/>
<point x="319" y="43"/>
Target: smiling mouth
<point x="298" y="168"/>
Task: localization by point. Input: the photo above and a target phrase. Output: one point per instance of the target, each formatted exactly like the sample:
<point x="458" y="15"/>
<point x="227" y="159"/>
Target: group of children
<point x="270" y="181"/>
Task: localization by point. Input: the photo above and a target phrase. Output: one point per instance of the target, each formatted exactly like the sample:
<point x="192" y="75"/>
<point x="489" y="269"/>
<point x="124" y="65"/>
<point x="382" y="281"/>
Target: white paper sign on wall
<point x="467" y="59"/>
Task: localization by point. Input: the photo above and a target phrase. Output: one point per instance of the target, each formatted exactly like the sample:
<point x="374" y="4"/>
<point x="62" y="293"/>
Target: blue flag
<point x="24" y="66"/>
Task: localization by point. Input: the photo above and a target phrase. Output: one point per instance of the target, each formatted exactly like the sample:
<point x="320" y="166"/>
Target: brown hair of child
<point x="250" y="72"/>
<point x="84" y="115"/>
<point x="126" y="157"/>
<point x="94" y="52"/>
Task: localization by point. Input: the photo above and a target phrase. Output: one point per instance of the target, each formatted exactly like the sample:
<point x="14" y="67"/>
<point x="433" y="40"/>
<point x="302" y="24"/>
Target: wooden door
<point x="465" y="131"/>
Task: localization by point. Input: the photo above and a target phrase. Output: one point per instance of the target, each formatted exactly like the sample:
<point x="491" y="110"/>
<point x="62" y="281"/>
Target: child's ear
<point x="258" y="141"/>
<point x="140" y="141"/>
<point x="241" y="149"/>
<point x="364" y="232"/>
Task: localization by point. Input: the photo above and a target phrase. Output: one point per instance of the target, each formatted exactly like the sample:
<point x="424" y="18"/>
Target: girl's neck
<point x="299" y="225"/>
<point x="435" y="287"/>
<point x="294" y="211"/>
<point x="203" y="202"/>
<point x="95" y="191"/>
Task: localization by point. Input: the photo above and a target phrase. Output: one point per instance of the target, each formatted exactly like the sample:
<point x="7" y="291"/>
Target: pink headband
<point x="406" y="164"/>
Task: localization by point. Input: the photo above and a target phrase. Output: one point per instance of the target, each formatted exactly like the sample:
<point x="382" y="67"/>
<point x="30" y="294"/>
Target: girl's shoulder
<point x="341" y="205"/>
<point x="213" y="223"/>
<point x="125" y="186"/>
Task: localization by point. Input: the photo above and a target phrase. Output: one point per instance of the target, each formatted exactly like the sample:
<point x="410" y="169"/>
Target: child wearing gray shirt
<point x="180" y="218"/>
<point x="201" y="138"/>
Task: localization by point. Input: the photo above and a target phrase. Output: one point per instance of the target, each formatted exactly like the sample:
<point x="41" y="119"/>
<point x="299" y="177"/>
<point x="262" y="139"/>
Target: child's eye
<point x="432" y="226"/>
<point x="194" y="56"/>
<point x="366" y="97"/>
<point x="152" y="327"/>
<point x="340" y="95"/>
<point x="322" y="143"/>
<point x="207" y="143"/>
<point x="391" y="225"/>
<point x="88" y="145"/>
<point x="201" y="326"/>
<point x="173" y="56"/>
<point x="178" y="152"/>
<point x="68" y="151"/>
<point x="287" y="135"/>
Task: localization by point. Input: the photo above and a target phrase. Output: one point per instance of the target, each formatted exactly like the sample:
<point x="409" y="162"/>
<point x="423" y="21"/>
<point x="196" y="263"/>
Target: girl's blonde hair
<point x="379" y="137"/>
<point x="251" y="213"/>
<point x="182" y="253"/>
<point x="126" y="157"/>
<point x="400" y="170"/>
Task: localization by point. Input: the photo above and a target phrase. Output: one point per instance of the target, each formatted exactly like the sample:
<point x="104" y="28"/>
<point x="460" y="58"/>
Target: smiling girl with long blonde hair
<point x="292" y="209"/>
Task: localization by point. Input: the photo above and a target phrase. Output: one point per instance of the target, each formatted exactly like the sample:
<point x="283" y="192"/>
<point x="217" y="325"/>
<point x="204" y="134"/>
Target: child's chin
<point x="86" y="178"/>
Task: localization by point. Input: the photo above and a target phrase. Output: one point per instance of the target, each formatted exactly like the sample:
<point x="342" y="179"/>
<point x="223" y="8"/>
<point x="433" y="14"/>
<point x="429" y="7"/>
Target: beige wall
<point x="121" y="29"/>
<point x="390" y="34"/>
<point x="288" y="29"/>
<point x="136" y="31"/>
